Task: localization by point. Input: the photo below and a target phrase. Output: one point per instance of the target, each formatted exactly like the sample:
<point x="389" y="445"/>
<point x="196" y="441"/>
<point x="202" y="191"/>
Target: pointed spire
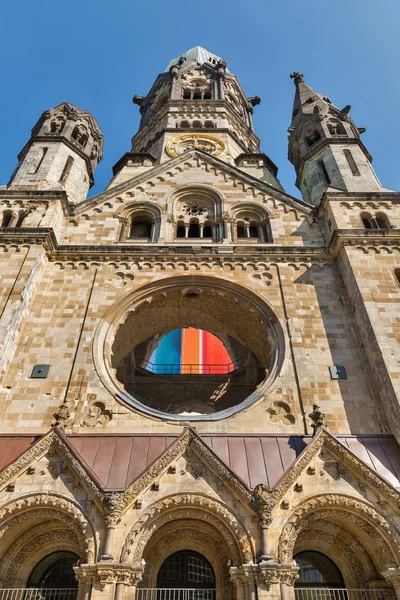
<point x="306" y="100"/>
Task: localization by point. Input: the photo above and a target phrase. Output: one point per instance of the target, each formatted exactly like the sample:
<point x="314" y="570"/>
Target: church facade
<point x="199" y="391"/>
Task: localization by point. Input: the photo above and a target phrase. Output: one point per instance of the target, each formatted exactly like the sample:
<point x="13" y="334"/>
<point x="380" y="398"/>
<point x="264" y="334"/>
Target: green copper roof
<point x="201" y="55"/>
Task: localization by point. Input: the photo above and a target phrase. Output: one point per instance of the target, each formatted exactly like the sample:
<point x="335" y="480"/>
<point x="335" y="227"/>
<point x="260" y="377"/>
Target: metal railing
<point x="176" y="594"/>
<point x="38" y="593"/>
<point x="187" y="369"/>
<point x="304" y="593"/>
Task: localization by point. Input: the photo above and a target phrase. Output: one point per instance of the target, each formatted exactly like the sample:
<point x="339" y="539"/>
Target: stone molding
<point x="108" y="573"/>
<point x="189" y="506"/>
<point x="61" y="509"/>
<point x="265" y="573"/>
<point x="188" y="439"/>
<point x="53" y="439"/>
<point x="345" y="508"/>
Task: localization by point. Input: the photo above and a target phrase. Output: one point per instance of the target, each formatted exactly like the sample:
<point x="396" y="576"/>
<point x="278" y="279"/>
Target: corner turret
<point x="325" y="147"/>
<point x="64" y="149"/>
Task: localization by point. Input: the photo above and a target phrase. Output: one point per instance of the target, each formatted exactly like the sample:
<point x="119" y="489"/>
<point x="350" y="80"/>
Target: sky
<point x="99" y="54"/>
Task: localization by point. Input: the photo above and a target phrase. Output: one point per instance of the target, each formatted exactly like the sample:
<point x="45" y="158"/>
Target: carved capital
<point x="104" y="574"/>
<point x="392" y="575"/>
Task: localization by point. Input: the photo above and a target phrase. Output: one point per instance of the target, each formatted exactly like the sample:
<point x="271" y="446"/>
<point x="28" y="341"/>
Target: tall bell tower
<point x="198" y="104"/>
<point x="325" y="147"/>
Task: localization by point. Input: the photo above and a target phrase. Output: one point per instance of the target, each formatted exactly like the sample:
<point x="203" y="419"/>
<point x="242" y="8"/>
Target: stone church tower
<point x="199" y="391"/>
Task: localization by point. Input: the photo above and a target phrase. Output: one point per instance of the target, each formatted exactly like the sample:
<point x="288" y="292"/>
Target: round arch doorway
<point x="55" y="573"/>
<point x="319" y="577"/>
<point x="186" y="575"/>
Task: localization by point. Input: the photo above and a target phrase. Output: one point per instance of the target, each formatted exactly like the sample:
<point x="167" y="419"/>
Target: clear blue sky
<point x="98" y="54"/>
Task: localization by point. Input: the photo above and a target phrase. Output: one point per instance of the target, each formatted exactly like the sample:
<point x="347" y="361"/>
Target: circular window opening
<point x="190" y="347"/>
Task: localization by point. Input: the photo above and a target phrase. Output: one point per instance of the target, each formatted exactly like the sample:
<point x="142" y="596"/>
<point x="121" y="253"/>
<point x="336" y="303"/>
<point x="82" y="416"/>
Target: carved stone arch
<point x="188" y="506"/>
<point x="377" y="534"/>
<point x="196" y="192"/>
<point x="186" y="534"/>
<point x="344" y="549"/>
<point x="39" y="506"/>
<point x="26" y="551"/>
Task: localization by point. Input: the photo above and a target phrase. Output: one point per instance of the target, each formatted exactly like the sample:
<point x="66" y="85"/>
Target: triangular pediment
<point x="327" y="445"/>
<point x="188" y="442"/>
<point x="52" y="442"/>
<point x="149" y="179"/>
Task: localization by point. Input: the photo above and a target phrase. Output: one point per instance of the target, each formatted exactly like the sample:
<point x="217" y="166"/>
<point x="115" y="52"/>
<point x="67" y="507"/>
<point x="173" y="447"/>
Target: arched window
<point x="207" y="230"/>
<point x="141" y="227"/>
<point x="313" y="137"/>
<point x="186" y="94"/>
<point x="397" y="275"/>
<point x="241" y="231"/>
<point x="180" y="230"/>
<point x="336" y="128"/>
<point x="194" y="229"/>
<point x="8" y="217"/>
<point x="382" y="221"/>
<point x="352" y="163"/>
<point x="21" y="219"/>
<point x="187" y="569"/>
<point x="185" y="125"/>
<point x="66" y="170"/>
<point x="209" y="125"/>
<point x="317" y="570"/>
<point x="368" y="221"/>
<point x="253" y="230"/>
<point x="197" y="125"/>
<point x="55" y="571"/>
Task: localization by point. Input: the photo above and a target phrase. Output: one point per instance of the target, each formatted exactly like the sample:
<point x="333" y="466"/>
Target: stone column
<point x="392" y="575"/>
<point x="262" y="503"/>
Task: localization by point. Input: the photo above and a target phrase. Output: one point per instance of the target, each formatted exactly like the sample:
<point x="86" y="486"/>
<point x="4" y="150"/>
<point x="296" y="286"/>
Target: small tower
<point x="325" y="147"/>
<point x="65" y="146"/>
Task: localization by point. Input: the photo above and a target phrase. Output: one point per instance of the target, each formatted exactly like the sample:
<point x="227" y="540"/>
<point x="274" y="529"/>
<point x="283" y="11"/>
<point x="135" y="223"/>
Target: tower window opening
<point x="323" y="170"/>
<point x="241" y="231"/>
<point x="368" y="221"/>
<point x="7" y="218"/>
<point x="185" y="125"/>
<point x="312" y="138"/>
<point x="180" y="230"/>
<point x="197" y="95"/>
<point x="207" y="231"/>
<point x="397" y="275"/>
<point x="194" y="230"/>
<point x="21" y="219"/>
<point x="352" y="163"/>
<point x="253" y="231"/>
<point x="141" y="228"/>
<point x="197" y="125"/>
<point x="66" y="170"/>
<point x="336" y="128"/>
<point x="186" y="94"/>
<point x="37" y="163"/>
<point x="207" y="95"/>
<point x="382" y="221"/>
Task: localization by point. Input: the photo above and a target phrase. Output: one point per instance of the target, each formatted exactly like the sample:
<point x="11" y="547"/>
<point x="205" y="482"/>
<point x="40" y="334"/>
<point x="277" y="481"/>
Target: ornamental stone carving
<point x="262" y="503"/>
<point x="104" y="574"/>
<point x="193" y="506"/>
<point x="61" y="509"/>
<point x="342" y="508"/>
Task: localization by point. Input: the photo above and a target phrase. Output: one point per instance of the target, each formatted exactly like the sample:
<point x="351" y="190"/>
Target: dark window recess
<point x="180" y="231"/>
<point x="40" y="371"/>
<point x="187" y="569"/>
<point x="253" y="231"/>
<point x="352" y="163"/>
<point x="194" y="230"/>
<point x="338" y="372"/>
<point x="318" y="571"/>
<point x="323" y="170"/>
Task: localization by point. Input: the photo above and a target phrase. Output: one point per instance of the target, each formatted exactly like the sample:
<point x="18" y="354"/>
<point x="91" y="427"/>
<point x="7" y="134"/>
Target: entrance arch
<point x="56" y="570"/>
<point x="187" y="569"/>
